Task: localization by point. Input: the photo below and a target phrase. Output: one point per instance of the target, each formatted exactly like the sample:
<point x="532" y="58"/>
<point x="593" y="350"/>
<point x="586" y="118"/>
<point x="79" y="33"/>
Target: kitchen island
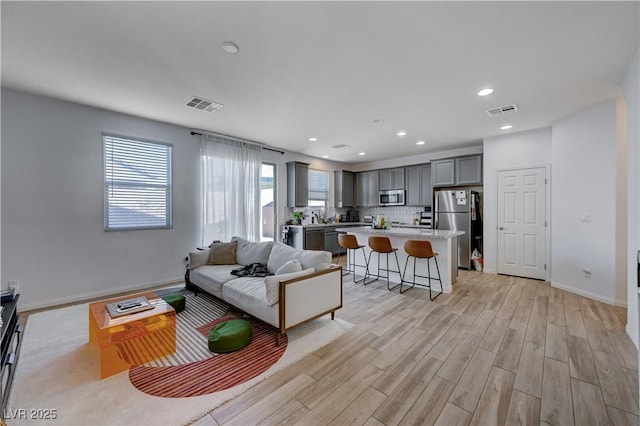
<point x="445" y="243"/>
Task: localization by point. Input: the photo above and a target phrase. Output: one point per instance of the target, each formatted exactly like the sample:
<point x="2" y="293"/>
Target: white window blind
<point x="137" y="184"/>
<point x="318" y="185"/>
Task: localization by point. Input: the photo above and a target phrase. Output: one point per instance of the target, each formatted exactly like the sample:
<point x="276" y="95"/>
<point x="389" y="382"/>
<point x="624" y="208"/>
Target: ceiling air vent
<point x="340" y="146"/>
<point x="507" y="109"/>
<point x="204" y="104"/>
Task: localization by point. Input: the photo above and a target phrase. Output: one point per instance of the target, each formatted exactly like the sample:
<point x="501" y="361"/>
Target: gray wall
<point x="53" y="239"/>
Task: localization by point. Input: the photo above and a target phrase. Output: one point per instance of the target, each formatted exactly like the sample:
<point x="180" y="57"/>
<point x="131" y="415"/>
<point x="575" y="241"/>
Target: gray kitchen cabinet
<point x="297" y="184"/>
<point x="367" y="188"/>
<point x="458" y="171"/>
<point x="314" y="239"/>
<point x="344" y="189"/>
<point x="418" y="184"/>
<point x="331" y="240"/>
<point x="469" y="170"/>
<point x="442" y="172"/>
<point x="392" y="179"/>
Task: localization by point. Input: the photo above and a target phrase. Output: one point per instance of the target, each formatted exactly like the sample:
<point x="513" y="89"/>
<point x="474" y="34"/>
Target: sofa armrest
<point x="198" y="258"/>
<point x="312" y="296"/>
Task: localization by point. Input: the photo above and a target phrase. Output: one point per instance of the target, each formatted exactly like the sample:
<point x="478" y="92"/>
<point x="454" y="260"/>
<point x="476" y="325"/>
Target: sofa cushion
<point x="249" y="295"/>
<point x="282" y="253"/>
<point x="211" y="278"/>
<point x="272" y="284"/>
<point x="249" y="252"/>
<point x="223" y="254"/>
<point x="289" y="267"/>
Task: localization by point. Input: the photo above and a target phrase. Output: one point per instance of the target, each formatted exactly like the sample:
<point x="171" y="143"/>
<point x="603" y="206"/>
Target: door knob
<point x="501" y="227"/>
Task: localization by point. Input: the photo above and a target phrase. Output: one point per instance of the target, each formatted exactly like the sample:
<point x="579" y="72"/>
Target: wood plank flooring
<point x="499" y="350"/>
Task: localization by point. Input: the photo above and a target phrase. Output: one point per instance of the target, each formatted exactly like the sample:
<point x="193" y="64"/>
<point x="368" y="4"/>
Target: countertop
<point x="352" y="224"/>
<point x="438" y="234"/>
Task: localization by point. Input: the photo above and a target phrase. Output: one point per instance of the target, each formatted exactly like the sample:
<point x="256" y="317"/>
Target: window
<point x="137" y="184"/>
<point x="267" y="201"/>
<point x="318" y="188"/>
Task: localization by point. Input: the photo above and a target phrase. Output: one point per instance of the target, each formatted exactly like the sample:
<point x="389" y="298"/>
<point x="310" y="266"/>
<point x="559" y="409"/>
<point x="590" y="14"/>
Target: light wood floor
<point x="497" y="351"/>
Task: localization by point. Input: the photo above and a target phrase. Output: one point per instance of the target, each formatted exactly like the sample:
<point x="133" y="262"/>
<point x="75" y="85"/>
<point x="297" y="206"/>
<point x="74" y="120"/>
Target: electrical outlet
<point x="586" y="218"/>
<point x="587" y="272"/>
<point x="13" y="285"/>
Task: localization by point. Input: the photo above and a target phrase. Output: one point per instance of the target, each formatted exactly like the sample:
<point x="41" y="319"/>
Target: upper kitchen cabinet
<point x="367" y="189"/>
<point x="457" y="171"/>
<point x="469" y="170"/>
<point x="392" y="179"/>
<point x="344" y="189"/>
<point x="442" y="172"/>
<point x="418" y="183"/>
<point x="297" y="184"/>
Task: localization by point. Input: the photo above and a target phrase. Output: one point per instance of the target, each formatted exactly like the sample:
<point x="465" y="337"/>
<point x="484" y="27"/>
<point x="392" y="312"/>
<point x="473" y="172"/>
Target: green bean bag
<point x="176" y="300"/>
<point x="230" y="336"/>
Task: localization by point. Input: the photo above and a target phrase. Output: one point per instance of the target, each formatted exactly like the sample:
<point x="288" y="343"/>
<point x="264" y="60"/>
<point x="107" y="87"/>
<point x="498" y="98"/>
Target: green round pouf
<point x="230" y="336"/>
<point x="177" y="301"/>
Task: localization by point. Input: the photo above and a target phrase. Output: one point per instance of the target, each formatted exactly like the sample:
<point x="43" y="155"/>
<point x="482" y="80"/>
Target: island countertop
<point x="417" y="233"/>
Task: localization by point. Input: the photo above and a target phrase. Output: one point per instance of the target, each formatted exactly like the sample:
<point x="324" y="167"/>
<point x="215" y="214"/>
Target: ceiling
<point x="327" y="69"/>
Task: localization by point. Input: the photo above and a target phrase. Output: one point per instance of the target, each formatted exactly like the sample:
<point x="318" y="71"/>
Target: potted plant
<point x="297" y="217"/>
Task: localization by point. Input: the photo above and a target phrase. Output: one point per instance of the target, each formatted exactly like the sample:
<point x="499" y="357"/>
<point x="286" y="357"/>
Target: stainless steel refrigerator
<point x="459" y="210"/>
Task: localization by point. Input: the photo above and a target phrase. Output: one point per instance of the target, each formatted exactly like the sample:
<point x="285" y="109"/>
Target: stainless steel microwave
<point x="392" y="198"/>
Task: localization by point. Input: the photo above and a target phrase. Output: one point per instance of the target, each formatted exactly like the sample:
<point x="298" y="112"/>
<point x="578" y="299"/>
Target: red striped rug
<point x="214" y="374"/>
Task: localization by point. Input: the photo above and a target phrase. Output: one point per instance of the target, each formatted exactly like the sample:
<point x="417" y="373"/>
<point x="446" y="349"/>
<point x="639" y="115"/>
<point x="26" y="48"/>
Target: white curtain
<point x="230" y="185"/>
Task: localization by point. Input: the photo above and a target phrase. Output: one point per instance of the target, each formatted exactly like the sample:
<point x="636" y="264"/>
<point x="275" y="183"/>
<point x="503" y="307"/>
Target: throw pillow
<point x="223" y="254"/>
<point x="249" y="252"/>
<point x="290" y="266"/>
<point x="281" y="254"/>
<point x="272" y="284"/>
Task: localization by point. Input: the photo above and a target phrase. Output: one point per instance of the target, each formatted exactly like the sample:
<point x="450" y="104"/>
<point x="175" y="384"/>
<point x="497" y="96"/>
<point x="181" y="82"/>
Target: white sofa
<point x="283" y="300"/>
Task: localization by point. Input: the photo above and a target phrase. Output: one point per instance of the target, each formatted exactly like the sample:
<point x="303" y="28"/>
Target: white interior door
<point x="522" y="222"/>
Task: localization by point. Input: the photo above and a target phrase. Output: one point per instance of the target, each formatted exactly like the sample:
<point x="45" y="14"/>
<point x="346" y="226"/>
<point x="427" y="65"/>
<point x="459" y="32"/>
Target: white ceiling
<point x="326" y="69"/>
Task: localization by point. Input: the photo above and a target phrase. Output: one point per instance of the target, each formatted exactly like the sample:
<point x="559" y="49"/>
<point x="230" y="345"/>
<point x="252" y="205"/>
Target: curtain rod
<point x="239" y="140"/>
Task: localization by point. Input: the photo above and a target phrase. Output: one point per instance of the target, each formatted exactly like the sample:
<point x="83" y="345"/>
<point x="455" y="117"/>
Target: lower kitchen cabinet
<point x="331" y="241"/>
<point x="314" y="239"/>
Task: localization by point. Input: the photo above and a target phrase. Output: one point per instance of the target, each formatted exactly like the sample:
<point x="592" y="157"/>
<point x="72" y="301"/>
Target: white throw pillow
<point x="249" y="252"/>
<point x="272" y="284"/>
<point x="280" y="254"/>
<point x="289" y="267"/>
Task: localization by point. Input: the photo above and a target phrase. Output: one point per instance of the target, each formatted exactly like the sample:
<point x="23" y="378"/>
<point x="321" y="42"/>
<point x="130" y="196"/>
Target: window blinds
<point x="137" y="184"/>
<point x="318" y="184"/>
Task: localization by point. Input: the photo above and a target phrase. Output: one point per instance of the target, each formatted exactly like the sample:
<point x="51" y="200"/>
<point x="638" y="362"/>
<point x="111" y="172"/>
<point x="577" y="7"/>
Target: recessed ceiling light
<point x="402" y="133"/>
<point x="506" y="127"/>
<point x="378" y="121"/>
<point x="313" y="139"/>
<point x="362" y="153"/>
<point x="420" y="143"/>
<point x="485" y="92"/>
<point x="325" y="156"/>
<point x="230" y="47"/>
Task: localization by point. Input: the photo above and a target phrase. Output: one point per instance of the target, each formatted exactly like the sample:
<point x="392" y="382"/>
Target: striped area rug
<point x="191" y="345"/>
<point x="205" y="372"/>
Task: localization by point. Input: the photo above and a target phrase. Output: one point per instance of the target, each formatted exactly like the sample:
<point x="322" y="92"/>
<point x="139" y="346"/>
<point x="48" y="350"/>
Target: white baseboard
<point x="96" y="294"/>
<point x="590" y="295"/>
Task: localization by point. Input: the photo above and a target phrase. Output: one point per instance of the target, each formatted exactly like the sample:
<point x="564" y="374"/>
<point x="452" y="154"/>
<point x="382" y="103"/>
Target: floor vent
<point x="204" y="104"/>
<point x="507" y="109"/>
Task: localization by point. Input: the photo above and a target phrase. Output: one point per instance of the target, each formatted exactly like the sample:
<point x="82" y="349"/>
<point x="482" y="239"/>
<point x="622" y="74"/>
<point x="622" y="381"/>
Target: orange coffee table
<point x="132" y="339"/>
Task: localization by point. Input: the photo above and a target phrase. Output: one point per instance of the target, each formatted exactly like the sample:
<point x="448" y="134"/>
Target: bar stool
<point x="382" y="245"/>
<point x="420" y="249"/>
<point x="349" y="243"/>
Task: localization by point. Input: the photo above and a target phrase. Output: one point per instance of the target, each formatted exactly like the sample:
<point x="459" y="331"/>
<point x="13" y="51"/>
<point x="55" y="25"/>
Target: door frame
<point x="547" y="176"/>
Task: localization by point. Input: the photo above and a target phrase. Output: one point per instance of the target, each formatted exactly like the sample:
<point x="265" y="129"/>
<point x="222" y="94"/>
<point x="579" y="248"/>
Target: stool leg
<point x="366" y="273"/>
<point x="399" y="273"/>
<point x="405" y="274"/>
<point x="345" y="271"/>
